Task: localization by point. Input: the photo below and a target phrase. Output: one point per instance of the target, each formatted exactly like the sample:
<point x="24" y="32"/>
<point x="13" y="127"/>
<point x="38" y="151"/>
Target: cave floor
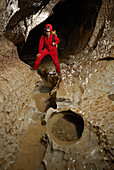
<point x="31" y="149"/>
<point x="88" y="91"/>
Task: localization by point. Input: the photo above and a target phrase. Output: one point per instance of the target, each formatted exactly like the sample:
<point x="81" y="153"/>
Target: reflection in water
<point x="31" y="149"/>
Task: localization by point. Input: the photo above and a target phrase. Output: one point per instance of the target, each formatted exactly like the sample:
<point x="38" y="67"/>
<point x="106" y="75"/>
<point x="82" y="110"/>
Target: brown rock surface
<point x="18" y="18"/>
<point x="17" y="83"/>
<point x="85" y="87"/>
<point x="31" y="149"/>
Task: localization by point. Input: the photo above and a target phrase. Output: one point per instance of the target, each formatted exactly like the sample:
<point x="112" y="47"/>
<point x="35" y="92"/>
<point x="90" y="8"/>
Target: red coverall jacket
<point x="50" y="49"/>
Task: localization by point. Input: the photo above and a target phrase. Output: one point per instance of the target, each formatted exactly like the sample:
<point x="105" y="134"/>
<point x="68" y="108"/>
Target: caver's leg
<point x="38" y="59"/>
<point x="56" y="61"/>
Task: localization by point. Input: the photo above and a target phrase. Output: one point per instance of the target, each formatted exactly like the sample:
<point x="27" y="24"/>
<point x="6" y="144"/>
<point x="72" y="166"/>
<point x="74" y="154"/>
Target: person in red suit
<point x="46" y="41"/>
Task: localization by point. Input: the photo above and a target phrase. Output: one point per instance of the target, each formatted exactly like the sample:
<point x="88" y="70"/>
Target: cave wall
<point x="18" y="17"/>
<point x="74" y="23"/>
<point x="17" y="82"/>
<point x="105" y="14"/>
<point x="78" y="24"/>
<point x="77" y="18"/>
<point x="87" y="83"/>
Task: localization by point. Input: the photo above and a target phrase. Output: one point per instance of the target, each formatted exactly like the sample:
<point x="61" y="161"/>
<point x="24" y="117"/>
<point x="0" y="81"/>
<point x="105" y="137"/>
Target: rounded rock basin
<point x="111" y="97"/>
<point x="65" y="127"/>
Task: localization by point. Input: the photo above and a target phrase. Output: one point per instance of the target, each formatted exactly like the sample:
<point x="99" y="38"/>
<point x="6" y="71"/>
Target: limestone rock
<point x="18" y="18"/>
<point x="85" y="86"/>
<point x="17" y="83"/>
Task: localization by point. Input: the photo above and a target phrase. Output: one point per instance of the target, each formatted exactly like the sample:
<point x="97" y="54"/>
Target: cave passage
<point x="74" y="22"/>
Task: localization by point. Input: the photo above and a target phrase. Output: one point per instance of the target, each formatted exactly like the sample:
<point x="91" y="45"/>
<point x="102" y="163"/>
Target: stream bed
<point x="63" y="142"/>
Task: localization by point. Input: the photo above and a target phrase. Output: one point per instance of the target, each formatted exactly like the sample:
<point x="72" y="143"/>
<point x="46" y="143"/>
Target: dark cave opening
<point x="74" y="22"/>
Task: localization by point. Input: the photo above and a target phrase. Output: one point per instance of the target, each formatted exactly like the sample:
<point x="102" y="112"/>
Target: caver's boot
<point x="31" y="68"/>
<point x="59" y="74"/>
<point x="43" y="122"/>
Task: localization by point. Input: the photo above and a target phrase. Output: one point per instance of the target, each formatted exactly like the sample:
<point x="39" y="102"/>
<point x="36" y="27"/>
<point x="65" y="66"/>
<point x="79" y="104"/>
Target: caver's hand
<point x="53" y="43"/>
<point x="38" y="55"/>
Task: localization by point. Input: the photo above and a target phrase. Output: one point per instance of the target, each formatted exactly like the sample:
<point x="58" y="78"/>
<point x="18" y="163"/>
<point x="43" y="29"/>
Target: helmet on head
<point x="48" y="27"/>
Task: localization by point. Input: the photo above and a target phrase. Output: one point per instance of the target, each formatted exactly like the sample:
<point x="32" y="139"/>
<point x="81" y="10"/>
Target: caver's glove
<point x="38" y="55"/>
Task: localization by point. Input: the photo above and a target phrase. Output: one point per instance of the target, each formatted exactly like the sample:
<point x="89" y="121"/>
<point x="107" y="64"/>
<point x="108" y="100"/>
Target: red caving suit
<point x="48" y="49"/>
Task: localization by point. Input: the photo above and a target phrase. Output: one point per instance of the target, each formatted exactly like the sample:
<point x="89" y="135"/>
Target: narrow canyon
<point x="51" y="122"/>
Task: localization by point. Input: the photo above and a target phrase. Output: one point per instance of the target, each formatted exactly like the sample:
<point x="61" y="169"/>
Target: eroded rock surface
<point x="86" y="85"/>
<point x="17" y="83"/>
<point x="18" y="18"/>
<point x="85" y="88"/>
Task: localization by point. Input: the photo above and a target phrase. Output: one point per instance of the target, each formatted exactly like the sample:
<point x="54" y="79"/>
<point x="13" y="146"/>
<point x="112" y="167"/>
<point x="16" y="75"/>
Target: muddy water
<point x="94" y="149"/>
<point x="41" y="102"/>
<point x="96" y="109"/>
<point x="31" y="149"/>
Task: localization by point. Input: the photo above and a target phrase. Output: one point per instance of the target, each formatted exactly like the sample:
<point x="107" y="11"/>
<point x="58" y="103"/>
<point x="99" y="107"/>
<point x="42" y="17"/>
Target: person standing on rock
<point x="49" y="45"/>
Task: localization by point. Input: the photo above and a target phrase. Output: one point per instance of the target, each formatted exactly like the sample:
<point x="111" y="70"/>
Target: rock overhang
<point x="73" y="21"/>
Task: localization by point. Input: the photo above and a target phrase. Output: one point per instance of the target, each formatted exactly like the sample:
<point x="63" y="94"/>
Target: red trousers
<point x="53" y="56"/>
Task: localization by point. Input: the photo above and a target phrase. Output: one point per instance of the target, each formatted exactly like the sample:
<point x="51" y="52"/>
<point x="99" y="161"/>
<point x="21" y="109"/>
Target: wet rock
<point x="17" y="83"/>
<point x="43" y="98"/>
<point x="84" y="87"/>
<point x="86" y="153"/>
<point x="95" y="147"/>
